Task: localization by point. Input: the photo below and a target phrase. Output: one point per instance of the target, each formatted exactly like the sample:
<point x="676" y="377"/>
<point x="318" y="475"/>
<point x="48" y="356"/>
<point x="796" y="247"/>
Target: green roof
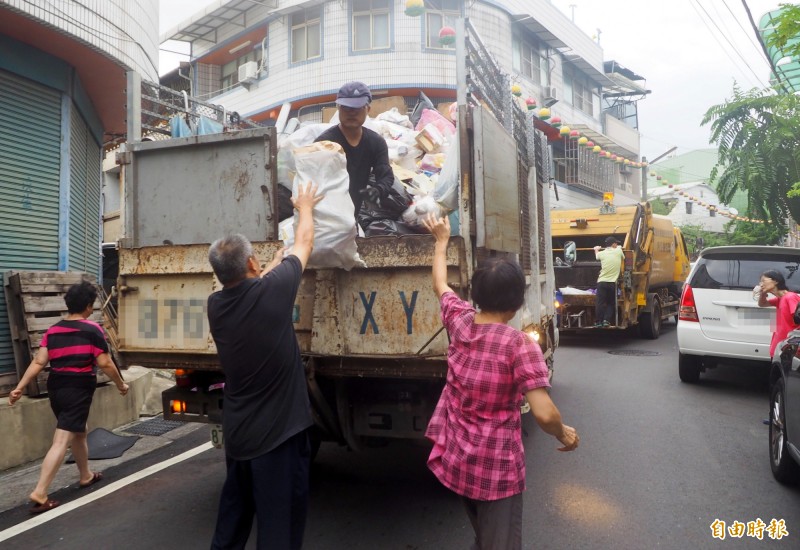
<point x="690" y="167"/>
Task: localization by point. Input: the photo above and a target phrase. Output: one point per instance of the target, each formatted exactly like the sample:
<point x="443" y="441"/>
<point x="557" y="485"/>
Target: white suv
<point x="719" y="319"/>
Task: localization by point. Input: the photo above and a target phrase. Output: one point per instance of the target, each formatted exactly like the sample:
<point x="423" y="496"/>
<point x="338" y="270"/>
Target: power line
<point x="745" y="31"/>
<point x="173" y="51"/>
<point x="758" y="79"/>
<point x="764" y="47"/>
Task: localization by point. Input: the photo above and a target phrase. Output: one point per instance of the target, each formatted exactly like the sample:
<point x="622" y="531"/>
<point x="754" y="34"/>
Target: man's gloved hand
<point x="370" y="194"/>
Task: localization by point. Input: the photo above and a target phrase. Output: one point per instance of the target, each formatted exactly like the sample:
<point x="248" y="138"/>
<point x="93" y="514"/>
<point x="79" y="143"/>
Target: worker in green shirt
<point x="610" y="263"/>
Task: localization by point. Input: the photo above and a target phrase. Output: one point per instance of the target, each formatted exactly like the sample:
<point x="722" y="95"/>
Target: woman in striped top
<point x="75" y="347"/>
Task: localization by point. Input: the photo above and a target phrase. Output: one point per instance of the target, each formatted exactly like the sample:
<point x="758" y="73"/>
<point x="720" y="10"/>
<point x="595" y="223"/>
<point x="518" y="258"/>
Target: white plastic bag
<point x="446" y="190"/>
<point x="394" y="116"/>
<point x="420" y="210"/>
<point x="335" y="230"/>
<point x="305" y="135"/>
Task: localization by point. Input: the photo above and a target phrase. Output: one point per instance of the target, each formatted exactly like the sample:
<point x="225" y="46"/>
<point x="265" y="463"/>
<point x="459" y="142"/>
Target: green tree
<point x="735" y="233"/>
<point x="787" y="29"/>
<point x="661" y="206"/>
<point x="758" y="137"/>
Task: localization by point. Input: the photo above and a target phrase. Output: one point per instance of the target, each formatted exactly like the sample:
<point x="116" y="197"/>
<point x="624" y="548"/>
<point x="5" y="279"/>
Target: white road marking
<point x="44" y="517"/>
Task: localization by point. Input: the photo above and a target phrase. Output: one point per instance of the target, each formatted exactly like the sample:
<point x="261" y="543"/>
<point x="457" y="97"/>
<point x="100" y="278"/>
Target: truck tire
<point x="650" y="322"/>
<point x="689" y="368"/>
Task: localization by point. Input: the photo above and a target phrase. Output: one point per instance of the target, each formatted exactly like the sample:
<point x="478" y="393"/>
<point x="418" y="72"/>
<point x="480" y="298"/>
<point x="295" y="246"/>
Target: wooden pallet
<point x="35" y="302"/>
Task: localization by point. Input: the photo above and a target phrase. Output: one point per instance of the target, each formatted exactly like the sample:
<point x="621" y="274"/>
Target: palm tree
<point x="758" y="136"/>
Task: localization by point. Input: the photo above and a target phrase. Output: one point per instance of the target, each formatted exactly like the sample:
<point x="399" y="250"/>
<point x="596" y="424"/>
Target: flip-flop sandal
<point x="97" y="476"/>
<point x="49" y="504"/>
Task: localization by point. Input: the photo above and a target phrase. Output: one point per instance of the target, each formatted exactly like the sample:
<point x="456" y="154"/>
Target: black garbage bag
<point x="380" y="228"/>
<point x="390" y="207"/>
<point x="285" y="206"/>
<point x="422" y="103"/>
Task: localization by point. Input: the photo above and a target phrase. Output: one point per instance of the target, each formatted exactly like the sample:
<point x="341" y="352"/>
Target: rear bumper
<point x="692" y="341"/>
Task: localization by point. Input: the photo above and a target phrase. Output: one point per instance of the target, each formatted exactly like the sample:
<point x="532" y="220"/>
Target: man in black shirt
<point x="365" y="150"/>
<point x="266" y="411"/>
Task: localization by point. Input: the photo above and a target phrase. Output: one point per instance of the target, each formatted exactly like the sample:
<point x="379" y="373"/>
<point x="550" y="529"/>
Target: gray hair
<point x="228" y="258"/>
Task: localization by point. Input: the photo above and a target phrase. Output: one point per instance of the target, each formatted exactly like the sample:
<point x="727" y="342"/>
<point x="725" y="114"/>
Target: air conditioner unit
<point x="550" y="96"/>
<point x="248" y="72"/>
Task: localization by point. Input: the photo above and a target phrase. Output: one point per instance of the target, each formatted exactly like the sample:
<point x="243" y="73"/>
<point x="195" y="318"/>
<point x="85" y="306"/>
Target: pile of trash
<point x="423" y="155"/>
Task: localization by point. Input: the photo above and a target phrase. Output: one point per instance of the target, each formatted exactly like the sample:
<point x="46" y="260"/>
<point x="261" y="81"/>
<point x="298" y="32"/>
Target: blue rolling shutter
<point x="30" y="152"/>
<point x="84" y="203"/>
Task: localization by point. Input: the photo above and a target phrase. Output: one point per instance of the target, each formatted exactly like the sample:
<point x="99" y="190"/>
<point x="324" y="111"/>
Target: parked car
<point x="784" y="412"/>
<point x="719" y="319"/>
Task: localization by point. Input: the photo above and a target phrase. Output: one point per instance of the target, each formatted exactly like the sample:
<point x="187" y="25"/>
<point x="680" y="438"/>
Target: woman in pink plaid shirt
<point x="476" y="427"/>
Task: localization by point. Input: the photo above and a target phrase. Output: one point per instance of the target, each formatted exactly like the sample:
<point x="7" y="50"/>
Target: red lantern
<point x="530" y="103"/>
<point x="447" y="37"/>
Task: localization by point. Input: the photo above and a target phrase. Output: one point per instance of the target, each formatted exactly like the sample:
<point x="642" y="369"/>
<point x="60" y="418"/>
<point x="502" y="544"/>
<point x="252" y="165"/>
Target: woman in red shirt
<point x="476" y="426"/>
<point x="772" y="282"/>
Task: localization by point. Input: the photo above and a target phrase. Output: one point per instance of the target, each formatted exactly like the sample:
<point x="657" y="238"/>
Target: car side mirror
<point x="570" y="252"/>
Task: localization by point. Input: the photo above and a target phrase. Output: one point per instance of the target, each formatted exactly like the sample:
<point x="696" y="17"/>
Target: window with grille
<point x="438" y="14"/>
<point x="306" y="34"/>
<point x="371" y="25"/>
<point x="527" y="60"/>
<point x="581" y="91"/>
<point x="230" y="70"/>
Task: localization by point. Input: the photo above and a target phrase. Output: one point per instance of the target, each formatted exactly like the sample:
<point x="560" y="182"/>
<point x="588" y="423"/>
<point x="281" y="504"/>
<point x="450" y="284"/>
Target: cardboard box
<point x="430" y="139"/>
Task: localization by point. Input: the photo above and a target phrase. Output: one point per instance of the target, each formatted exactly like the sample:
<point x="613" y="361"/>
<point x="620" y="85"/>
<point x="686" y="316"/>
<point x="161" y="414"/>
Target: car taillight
<point x="688" y="311"/>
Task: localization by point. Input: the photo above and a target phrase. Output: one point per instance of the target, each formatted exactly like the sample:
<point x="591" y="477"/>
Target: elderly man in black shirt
<point x="266" y="407"/>
<point x="365" y="150"/>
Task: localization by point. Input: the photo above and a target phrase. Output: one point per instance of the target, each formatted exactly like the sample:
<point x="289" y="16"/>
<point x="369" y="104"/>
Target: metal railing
<point x="152" y="107"/>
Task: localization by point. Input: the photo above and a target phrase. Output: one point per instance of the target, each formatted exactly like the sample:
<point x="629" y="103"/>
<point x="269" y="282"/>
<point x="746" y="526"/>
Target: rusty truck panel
<point x="194" y="189"/>
<point x="385" y="311"/>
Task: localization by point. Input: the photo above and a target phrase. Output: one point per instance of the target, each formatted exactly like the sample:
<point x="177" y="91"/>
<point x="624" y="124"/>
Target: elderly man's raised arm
<point x="304" y="203"/>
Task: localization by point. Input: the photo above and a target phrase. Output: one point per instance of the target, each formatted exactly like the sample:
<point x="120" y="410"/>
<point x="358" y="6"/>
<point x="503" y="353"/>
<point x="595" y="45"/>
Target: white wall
<point x="126" y="30"/>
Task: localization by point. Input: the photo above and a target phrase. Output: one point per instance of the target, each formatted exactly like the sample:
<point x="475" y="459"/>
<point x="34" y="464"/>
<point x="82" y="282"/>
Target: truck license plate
<point x="217" y="438"/>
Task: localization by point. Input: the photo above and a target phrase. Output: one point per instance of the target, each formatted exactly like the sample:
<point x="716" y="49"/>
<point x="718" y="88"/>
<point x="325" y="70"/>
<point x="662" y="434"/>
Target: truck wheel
<point x="689" y="368"/>
<point x="650" y="322"/>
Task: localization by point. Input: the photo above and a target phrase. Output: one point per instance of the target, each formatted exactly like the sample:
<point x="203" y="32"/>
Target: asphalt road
<point x="659" y="462"/>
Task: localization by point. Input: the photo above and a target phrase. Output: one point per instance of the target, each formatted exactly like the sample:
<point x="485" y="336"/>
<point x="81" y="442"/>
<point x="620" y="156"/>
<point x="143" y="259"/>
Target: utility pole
<point x="646" y="168"/>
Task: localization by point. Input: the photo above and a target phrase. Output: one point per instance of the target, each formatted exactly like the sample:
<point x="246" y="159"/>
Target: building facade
<point x="694" y="203"/>
<point x="62" y="99"/>
<point x="254" y="57"/>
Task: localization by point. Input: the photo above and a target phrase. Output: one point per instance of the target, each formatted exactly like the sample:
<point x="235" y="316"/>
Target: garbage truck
<point x="655" y="266"/>
<point x="371" y="339"/>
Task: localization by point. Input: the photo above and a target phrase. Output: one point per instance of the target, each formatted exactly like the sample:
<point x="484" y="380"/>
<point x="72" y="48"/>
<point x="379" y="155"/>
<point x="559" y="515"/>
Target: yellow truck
<point x="651" y="278"/>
